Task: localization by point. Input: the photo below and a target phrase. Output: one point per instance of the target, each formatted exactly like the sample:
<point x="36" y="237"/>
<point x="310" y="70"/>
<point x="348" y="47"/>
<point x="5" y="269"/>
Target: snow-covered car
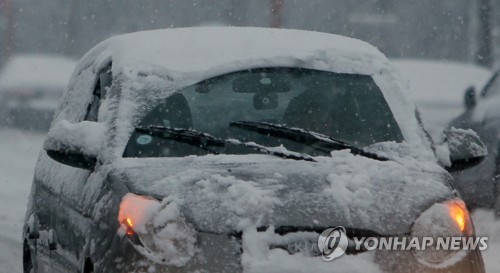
<point x="231" y="150"/>
<point x="480" y="185"/>
<point x="437" y="88"/>
<point x="31" y="86"/>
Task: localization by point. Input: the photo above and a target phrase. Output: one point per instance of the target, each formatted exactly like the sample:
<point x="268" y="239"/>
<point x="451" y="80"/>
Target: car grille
<point x="308" y="245"/>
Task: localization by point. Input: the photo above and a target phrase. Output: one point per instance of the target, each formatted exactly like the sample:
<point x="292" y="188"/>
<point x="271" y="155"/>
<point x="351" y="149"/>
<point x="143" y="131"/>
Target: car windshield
<point x="345" y="107"/>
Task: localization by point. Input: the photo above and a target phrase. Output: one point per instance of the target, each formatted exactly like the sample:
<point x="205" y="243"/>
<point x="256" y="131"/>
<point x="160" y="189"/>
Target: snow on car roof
<point x="37" y="71"/>
<point x="203" y="52"/>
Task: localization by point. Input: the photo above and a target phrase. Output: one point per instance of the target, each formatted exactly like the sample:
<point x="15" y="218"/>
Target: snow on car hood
<point x="224" y="193"/>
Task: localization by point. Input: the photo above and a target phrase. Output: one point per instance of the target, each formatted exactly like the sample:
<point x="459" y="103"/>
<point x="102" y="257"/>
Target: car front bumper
<point x="224" y="254"/>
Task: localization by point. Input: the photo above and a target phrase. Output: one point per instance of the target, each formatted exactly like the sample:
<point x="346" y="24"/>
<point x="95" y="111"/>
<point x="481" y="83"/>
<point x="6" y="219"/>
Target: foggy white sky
<point x="444" y="29"/>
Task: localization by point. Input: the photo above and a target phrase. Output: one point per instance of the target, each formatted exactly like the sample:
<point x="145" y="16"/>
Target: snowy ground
<point x="18" y="153"/>
<point x="487" y="226"/>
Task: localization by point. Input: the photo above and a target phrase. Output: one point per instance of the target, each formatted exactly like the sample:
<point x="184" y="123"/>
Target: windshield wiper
<point x="187" y="136"/>
<point x="277" y="151"/>
<point x="315" y="140"/>
<point x="205" y="141"/>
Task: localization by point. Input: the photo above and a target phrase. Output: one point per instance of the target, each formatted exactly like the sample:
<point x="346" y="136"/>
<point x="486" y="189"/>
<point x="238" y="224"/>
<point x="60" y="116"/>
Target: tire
<point x="88" y="267"/>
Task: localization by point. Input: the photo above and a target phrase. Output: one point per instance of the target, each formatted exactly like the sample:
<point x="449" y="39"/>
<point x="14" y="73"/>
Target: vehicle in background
<point x="31" y="86"/>
<point x="232" y="150"/>
<point x="480" y="185"/>
<point x="437" y="88"/>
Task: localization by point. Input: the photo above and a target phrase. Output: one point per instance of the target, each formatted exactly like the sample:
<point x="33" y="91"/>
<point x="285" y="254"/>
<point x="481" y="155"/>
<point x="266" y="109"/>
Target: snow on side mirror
<point x="75" y="144"/>
<point x="464" y="147"/>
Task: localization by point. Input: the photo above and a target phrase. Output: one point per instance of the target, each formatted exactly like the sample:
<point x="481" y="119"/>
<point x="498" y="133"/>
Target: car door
<point x="40" y="220"/>
<point x="58" y="191"/>
<point x="55" y="186"/>
<point x="76" y="220"/>
<point x="65" y="221"/>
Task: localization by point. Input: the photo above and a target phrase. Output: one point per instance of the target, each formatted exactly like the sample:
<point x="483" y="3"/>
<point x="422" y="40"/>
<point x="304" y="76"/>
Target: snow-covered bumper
<point x="250" y="253"/>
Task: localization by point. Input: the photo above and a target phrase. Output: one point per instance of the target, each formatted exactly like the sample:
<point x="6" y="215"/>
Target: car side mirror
<point x="75" y="144"/>
<point x="470" y="98"/>
<point x="465" y="149"/>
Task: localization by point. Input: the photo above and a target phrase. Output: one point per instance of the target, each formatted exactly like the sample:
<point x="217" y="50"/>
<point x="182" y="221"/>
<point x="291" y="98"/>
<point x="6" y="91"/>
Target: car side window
<point x="100" y="91"/>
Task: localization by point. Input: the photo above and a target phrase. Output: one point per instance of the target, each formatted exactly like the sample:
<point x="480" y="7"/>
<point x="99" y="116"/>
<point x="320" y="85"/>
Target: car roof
<point x="194" y="54"/>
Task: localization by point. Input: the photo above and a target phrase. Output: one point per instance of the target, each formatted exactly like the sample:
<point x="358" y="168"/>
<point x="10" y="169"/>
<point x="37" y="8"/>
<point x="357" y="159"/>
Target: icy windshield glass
<point x="346" y="107"/>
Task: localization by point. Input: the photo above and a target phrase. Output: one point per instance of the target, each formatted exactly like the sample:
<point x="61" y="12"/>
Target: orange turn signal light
<point x="135" y="211"/>
<point x="129" y="224"/>
<point x="458" y="212"/>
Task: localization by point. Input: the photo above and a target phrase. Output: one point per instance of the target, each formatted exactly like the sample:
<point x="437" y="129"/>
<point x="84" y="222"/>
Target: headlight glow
<point x="459" y="214"/>
<point x="157" y="229"/>
<point x="445" y="221"/>
<point x="130" y="226"/>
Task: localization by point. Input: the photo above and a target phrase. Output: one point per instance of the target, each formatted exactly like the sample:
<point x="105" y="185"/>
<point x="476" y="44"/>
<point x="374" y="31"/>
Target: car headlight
<point x="157" y="229"/>
<point x="442" y="222"/>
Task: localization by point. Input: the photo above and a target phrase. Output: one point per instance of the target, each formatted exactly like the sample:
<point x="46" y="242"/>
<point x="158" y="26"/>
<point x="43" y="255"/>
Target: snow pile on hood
<point x="224" y="193"/>
<point x="244" y="197"/>
<point x="37" y="71"/>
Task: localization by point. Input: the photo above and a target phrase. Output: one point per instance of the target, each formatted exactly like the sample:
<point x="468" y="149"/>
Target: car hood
<point x="225" y="193"/>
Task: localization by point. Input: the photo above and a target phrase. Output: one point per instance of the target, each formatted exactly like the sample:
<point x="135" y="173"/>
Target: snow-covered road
<point x="18" y="154"/>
